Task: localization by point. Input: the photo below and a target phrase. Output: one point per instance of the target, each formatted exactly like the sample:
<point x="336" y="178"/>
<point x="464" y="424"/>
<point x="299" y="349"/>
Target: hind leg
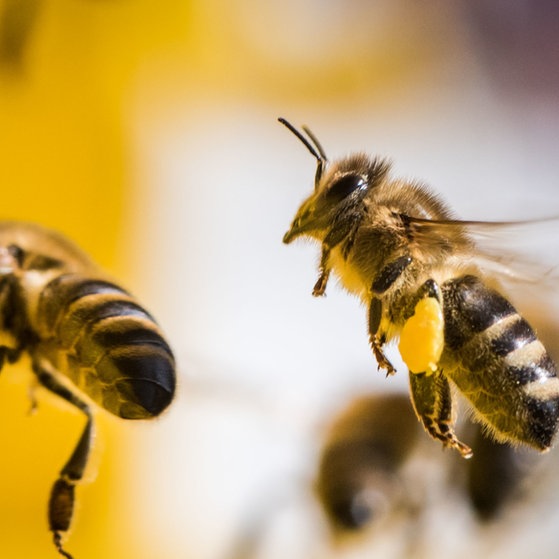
<point x="61" y="504"/>
<point x="432" y="402"/>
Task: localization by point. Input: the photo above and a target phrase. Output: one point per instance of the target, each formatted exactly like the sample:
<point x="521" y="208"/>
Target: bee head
<point x="335" y="193"/>
<point x="337" y="188"/>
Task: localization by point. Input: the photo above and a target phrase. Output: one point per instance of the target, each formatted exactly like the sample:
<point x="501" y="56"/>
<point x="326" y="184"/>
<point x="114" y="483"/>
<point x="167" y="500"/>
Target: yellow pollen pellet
<point x="422" y="337"/>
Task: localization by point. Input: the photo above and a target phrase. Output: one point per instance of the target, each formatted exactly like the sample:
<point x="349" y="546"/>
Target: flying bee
<point x="397" y="246"/>
<point x="86" y="337"/>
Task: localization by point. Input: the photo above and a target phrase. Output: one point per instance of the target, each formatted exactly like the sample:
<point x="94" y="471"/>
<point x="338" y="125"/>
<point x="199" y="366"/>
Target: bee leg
<point x="32" y="394"/>
<point x="61" y="504"/>
<point x="376" y="340"/>
<point x="432" y="402"/>
<point x="324" y="268"/>
<point x="387" y="276"/>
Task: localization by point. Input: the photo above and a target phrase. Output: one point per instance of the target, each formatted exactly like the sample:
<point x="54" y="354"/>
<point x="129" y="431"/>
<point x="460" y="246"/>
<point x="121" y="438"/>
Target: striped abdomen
<point x="501" y="366"/>
<point x="109" y="346"/>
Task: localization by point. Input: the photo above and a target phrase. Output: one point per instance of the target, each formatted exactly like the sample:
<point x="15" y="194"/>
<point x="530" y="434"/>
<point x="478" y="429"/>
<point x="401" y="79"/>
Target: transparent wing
<point x="526" y="251"/>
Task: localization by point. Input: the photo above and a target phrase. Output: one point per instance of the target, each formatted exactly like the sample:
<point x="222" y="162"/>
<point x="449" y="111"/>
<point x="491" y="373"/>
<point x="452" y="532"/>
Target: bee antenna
<point x="316" y="143"/>
<point x="315" y="148"/>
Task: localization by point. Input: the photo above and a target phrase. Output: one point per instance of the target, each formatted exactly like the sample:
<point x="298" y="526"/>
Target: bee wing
<point x="516" y="251"/>
<point x="522" y="257"/>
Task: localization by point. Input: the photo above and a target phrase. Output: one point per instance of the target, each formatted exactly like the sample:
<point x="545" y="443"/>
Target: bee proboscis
<point x="397" y="246"/>
<point x="86" y="337"/>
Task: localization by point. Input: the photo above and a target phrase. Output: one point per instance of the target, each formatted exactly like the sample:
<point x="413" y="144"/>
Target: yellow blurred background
<point x="146" y="132"/>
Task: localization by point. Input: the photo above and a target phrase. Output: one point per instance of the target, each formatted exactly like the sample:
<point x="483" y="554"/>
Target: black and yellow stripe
<point x="501" y="366"/>
<point x="107" y="344"/>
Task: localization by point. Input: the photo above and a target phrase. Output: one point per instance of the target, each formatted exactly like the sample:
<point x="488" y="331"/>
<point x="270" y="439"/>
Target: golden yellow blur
<point x="64" y="74"/>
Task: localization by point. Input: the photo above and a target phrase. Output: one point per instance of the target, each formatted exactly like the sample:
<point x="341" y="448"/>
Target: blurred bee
<point x="85" y="336"/>
<point x="396" y="245"/>
<point x="358" y="476"/>
<point x="17" y="22"/>
<point x="364" y="476"/>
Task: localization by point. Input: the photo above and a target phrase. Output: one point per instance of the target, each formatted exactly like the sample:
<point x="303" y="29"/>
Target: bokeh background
<point x="147" y="132"/>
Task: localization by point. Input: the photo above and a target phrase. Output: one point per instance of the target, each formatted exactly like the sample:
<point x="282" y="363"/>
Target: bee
<point x="398" y="247"/>
<point x="87" y="340"/>
<point x="364" y="475"/>
<point x="358" y="475"/>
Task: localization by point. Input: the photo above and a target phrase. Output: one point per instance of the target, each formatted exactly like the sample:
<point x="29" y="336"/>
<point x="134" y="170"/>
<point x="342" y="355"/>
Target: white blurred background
<point x="460" y="95"/>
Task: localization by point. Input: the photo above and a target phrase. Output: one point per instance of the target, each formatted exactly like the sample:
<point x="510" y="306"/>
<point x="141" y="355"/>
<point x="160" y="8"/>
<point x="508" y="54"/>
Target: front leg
<point x="432" y="402"/>
<point x="324" y="268"/>
<point x="376" y="340"/>
<point x="385" y="279"/>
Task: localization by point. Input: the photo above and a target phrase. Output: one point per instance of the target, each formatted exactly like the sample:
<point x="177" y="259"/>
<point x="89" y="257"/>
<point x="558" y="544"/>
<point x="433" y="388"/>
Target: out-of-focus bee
<point x="368" y="471"/>
<point x="358" y="476"/>
<point x="17" y="22"/>
<point x="84" y="336"/>
<point x="396" y="245"/>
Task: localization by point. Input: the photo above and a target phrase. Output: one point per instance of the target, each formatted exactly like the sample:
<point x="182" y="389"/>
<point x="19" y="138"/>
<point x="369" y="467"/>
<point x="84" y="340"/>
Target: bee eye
<point x="17" y="253"/>
<point x="344" y="186"/>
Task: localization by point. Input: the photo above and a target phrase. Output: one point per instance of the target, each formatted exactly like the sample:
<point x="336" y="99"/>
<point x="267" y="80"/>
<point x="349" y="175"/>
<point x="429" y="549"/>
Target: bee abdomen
<point x="470" y="308"/>
<point x="503" y="369"/>
<point x="108" y="345"/>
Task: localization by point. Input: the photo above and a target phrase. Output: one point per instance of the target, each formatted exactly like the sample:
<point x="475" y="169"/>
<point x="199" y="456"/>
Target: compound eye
<point x="17" y="254"/>
<point x="345" y="186"/>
